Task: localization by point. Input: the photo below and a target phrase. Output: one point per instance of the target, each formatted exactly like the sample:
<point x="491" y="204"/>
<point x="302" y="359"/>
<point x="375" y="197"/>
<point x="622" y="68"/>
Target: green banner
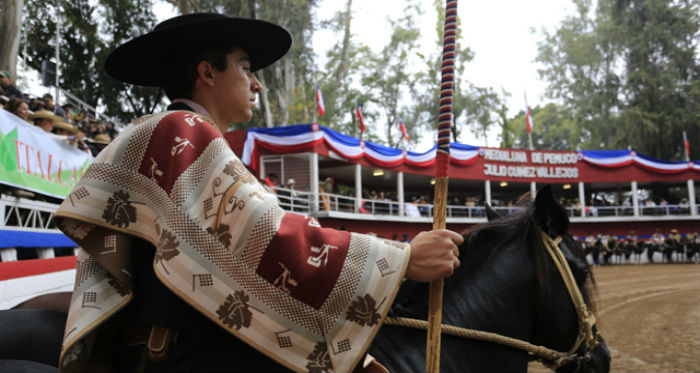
<point x="38" y="161"/>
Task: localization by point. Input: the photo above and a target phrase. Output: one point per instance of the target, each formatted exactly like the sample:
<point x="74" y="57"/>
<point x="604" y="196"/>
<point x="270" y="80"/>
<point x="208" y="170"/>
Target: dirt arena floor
<point x="649" y="315"/>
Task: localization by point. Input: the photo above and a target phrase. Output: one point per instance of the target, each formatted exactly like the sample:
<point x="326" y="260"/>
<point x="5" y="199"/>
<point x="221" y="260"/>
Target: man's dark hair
<point x="181" y="69"/>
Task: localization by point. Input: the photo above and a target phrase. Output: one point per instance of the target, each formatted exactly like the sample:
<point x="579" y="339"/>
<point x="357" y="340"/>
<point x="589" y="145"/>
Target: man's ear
<point x="205" y="73"/>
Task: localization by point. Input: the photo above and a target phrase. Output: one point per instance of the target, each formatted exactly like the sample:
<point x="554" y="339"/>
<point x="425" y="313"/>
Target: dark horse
<point x="506" y="284"/>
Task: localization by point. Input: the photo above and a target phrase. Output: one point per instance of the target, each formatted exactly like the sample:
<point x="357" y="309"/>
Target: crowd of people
<point x="601" y="206"/>
<point x="75" y="126"/>
<point x="606" y="248"/>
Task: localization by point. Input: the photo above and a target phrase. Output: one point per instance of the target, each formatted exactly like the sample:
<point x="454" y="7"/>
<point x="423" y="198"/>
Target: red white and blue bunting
<point x="621" y="158"/>
<point x="303" y="137"/>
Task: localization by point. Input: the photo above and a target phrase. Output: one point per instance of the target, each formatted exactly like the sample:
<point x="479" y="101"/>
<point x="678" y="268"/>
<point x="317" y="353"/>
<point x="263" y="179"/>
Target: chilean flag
<point x="319" y="100"/>
<point x="403" y="130"/>
<point x="358" y="112"/>
<point x="687" y="145"/>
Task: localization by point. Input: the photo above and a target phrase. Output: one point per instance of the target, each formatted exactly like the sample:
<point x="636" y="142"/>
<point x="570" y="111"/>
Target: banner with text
<point x="529" y="165"/>
<point x="34" y="160"/>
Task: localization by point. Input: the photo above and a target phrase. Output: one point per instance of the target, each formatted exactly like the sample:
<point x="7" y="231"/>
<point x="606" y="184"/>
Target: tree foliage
<point x="89" y="31"/>
<point x="628" y="74"/>
<point x="553" y="129"/>
<point x="388" y="79"/>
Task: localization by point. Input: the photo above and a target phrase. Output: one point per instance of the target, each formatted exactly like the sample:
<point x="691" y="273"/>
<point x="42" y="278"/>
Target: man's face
<point x="237" y="88"/>
<point x="4" y="80"/>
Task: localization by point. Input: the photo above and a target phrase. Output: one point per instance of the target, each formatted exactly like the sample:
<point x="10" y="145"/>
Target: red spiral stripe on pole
<point x="446" y="89"/>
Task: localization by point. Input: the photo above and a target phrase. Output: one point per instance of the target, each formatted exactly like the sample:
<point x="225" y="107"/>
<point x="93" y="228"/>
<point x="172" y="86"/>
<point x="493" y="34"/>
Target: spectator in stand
<point x="19" y="107"/>
<point x="36" y="104"/>
<point x="591" y="209"/>
<point x="111" y="131"/>
<point x="70" y="134"/>
<point x="7" y="88"/>
<point x="470" y="204"/>
<point x="3" y="101"/>
<point x="683" y="206"/>
<point x="650" y="206"/>
<point x="270" y="182"/>
<point x="68" y="110"/>
<point x="412" y="208"/>
<point x="44" y="119"/>
<point x="424" y="207"/>
<point x="97" y="143"/>
<point x="577" y="207"/>
<point x="663" y="204"/>
<point x="81" y="117"/>
<point x="291" y="185"/>
<point x="49" y="105"/>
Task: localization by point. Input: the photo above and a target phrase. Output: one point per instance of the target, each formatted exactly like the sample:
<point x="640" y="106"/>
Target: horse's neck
<point x="496" y="293"/>
<point x="490" y="291"/>
<point x="487" y="293"/>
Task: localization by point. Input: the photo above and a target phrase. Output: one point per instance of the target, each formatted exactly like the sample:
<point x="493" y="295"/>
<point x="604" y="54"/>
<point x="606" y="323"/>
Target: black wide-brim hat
<point x="142" y="61"/>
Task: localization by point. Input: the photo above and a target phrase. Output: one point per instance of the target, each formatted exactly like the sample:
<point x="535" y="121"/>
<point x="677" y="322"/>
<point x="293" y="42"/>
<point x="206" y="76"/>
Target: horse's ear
<point x="549" y="213"/>
<point x="491" y="214"/>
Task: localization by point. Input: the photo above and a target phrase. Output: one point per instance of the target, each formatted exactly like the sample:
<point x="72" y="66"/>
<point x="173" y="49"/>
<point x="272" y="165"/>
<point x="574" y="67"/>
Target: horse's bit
<point x="587" y="334"/>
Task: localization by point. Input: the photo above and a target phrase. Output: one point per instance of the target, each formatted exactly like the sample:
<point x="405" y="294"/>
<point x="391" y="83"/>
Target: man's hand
<point x="434" y="255"/>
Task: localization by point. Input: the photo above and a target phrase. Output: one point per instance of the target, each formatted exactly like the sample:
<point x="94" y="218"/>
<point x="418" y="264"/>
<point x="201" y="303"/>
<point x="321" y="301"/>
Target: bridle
<point x="586" y="340"/>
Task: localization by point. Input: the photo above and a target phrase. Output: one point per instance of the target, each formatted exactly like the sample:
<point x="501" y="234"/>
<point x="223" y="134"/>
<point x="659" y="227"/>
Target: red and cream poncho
<point x="311" y="298"/>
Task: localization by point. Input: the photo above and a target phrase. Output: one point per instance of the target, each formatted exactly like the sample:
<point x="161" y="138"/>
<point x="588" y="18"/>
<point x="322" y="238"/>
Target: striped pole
<point x="442" y="163"/>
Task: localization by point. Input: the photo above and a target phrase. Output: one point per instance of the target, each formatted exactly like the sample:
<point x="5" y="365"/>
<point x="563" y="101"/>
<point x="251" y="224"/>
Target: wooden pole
<point x="442" y="162"/>
<point x="432" y="362"/>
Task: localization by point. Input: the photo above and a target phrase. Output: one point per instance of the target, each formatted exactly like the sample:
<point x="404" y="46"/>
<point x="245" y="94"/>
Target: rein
<point x="553" y="359"/>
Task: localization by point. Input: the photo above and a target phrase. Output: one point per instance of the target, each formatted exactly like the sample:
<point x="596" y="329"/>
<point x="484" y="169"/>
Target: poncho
<point x="308" y="297"/>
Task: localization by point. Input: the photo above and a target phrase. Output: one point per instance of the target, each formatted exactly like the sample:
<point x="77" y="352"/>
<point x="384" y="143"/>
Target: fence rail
<point x="301" y="201"/>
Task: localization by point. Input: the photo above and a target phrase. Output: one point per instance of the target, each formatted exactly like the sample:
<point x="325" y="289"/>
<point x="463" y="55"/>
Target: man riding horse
<point x="185" y="256"/>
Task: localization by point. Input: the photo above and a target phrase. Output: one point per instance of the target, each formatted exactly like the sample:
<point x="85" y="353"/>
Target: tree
<point x="629" y="75"/>
<point x="662" y="86"/>
<point x="552" y="129"/>
<point x="89" y="32"/>
<point x="388" y="80"/>
<point x="507" y="135"/>
<point x="10" y="26"/>
<point x="480" y="108"/>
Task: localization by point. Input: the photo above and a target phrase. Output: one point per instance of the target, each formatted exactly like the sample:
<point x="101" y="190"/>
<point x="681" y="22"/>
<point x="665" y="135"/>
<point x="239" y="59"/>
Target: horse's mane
<point x="522" y="225"/>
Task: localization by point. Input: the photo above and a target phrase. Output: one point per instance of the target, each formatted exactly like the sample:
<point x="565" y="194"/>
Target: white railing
<point x="294" y="200"/>
<point x="613" y="211"/>
<point x="301" y="201"/>
<point x="26" y="214"/>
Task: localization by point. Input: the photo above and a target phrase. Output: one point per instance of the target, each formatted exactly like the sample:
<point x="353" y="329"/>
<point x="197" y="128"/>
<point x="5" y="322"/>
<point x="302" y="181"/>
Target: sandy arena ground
<point x="649" y="315"/>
